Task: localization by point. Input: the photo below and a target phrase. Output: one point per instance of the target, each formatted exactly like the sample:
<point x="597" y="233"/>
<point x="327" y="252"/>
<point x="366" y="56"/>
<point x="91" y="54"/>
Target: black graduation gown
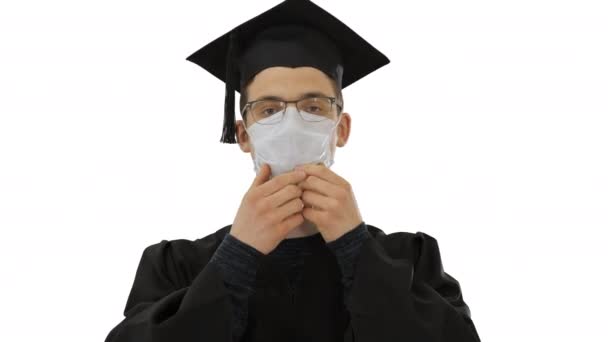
<point x="399" y="293"/>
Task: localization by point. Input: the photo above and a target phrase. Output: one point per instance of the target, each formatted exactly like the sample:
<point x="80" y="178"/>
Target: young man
<point x="298" y="263"/>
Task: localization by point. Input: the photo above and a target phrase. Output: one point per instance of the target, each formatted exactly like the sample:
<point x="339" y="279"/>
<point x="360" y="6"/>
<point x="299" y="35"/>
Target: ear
<point x="242" y="137"/>
<point x="343" y="129"/>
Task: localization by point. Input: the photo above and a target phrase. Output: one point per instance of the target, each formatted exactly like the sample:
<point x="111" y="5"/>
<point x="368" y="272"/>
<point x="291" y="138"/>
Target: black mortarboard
<point x="293" y="33"/>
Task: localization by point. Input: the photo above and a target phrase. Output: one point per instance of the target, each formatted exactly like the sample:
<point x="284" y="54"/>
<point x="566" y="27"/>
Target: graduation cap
<point x="294" y="33"/>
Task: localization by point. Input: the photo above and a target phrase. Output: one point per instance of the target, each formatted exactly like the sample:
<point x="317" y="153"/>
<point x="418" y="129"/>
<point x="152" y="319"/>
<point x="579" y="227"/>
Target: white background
<point x="487" y="131"/>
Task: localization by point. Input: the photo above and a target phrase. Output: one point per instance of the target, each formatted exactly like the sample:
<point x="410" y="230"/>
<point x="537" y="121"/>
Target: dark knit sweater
<point x="238" y="263"/>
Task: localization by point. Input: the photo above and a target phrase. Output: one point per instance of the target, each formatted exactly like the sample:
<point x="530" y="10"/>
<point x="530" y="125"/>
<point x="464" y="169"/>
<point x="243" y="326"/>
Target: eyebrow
<point x="305" y="95"/>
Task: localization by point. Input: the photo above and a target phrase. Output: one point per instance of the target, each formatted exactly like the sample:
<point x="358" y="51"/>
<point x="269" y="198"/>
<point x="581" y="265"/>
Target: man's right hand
<point x="269" y="210"/>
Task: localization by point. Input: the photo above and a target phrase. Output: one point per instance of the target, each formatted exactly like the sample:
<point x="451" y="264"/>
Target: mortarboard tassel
<point x="229" y="129"/>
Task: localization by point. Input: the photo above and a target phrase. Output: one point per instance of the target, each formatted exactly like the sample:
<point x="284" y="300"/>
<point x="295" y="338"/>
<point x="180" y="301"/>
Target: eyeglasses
<point x="270" y="111"/>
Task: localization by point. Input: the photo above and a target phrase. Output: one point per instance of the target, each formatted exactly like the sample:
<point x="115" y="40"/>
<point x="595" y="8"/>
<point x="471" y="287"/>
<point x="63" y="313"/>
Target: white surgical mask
<point x="292" y="142"/>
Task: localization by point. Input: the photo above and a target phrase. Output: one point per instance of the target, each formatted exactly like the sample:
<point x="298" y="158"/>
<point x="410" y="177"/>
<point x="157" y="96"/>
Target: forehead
<point x="289" y="83"/>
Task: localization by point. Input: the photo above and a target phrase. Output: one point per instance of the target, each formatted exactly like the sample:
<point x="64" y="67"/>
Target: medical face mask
<point x="292" y="142"/>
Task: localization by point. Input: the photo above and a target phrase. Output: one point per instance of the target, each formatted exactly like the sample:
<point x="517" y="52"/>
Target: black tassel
<point x="229" y="129"/>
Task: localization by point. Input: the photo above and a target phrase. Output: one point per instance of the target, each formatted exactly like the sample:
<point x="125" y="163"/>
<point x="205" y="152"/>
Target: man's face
<point x="290" y="84"/>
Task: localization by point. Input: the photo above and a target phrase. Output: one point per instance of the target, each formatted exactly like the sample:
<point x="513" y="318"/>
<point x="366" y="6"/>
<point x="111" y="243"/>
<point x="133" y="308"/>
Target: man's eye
<point x="269" y="111"/>
<point x="313" y="109"/>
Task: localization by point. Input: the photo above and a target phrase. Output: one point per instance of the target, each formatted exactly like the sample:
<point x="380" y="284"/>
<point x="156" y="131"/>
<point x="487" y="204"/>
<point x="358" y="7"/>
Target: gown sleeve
<point x="400" y="292"/>
<point x="163" y="306"/>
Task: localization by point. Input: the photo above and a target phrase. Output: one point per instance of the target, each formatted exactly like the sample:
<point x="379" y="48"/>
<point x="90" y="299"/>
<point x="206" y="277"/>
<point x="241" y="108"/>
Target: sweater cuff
<point x="237" y="261"/>
<point x="347" y="248"/>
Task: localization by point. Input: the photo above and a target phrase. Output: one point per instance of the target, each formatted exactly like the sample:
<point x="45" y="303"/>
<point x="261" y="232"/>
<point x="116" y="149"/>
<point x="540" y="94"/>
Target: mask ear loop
<point x="336" y="125"/>
<point x="331" y="136"/>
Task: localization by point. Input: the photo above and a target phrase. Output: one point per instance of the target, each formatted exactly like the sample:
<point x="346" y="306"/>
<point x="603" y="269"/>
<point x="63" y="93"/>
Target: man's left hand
<point x="335" y="209"/>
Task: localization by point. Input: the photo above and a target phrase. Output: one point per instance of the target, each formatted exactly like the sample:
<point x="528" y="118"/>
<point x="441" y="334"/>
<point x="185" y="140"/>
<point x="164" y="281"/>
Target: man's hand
<point x="335" y="210"/>
<point x="269" y="210"/>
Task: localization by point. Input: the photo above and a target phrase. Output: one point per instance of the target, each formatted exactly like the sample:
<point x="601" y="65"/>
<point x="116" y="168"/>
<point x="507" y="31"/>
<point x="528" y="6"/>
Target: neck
<point x="306" y="228"/>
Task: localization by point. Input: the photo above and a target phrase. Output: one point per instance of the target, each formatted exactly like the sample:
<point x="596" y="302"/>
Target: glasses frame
<point x="333" y="102"/>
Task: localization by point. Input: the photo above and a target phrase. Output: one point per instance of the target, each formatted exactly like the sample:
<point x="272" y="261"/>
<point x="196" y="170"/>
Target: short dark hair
<point x="243" y="100"/>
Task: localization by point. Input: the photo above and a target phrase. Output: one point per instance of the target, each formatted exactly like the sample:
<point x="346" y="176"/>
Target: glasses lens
<point x="320" y="107"/>
<point x="267" y="111"/>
